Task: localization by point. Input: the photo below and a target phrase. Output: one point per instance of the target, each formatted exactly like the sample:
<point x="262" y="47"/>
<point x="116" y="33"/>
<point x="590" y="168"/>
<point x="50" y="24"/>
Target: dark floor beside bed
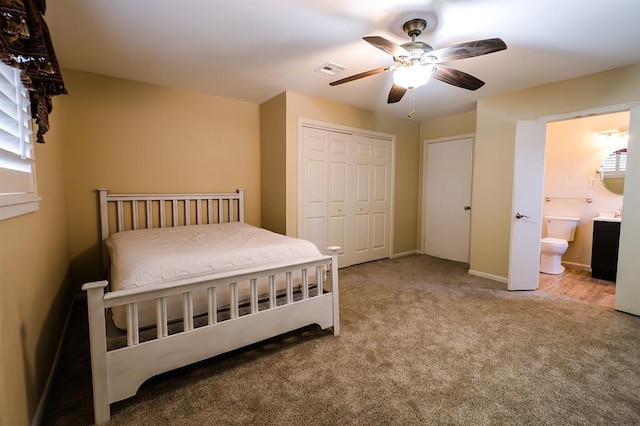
<point x="71" y="401"/>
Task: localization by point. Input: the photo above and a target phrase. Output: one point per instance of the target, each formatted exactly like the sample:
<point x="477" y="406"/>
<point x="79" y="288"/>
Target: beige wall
<point x="273" y="154"/>
<point x="494" y="151"/>
<point x="407" y="160"/>
<point x="34" y="289"/>
<point x="133" y="137"/>
<point x="453" y="125"/>
<point x="573" y="153"/>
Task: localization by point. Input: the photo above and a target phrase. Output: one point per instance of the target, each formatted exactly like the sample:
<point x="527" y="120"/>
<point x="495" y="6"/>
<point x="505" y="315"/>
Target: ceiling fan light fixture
<point x="412" y="76"/>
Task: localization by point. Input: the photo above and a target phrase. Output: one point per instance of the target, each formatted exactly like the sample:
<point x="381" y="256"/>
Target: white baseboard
<point x="498" y="278"/>
<point x="38" y="415"/>
<point x="403" y="254"/>
<point x="505" y="280"/>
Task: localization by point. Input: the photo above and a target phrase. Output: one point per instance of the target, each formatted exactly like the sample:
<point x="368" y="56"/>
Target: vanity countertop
<point x="608" y="219"/>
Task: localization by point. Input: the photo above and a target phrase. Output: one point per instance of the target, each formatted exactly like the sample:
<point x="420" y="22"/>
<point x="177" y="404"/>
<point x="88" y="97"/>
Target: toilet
<point x="560" y="230"/>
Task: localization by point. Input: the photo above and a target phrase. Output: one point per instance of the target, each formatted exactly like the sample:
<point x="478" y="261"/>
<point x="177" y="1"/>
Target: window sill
<point x="12" y="207"/>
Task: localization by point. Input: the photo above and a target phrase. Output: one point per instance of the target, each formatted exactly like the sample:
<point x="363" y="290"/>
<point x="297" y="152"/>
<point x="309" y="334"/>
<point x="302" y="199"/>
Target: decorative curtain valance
<point x="25" y="44"/>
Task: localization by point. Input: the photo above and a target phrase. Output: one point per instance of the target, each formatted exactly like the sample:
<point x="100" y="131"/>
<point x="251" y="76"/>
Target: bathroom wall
<point x="574" y="152"/>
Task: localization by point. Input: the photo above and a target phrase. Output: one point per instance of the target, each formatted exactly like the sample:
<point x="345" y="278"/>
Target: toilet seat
<point x="555" y="241"/>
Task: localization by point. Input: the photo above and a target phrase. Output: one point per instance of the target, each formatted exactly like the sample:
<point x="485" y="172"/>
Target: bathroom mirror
<point x="612" y="171"/>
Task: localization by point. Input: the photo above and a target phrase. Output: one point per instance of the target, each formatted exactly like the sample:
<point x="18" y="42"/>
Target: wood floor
<point x="579" y="285"/>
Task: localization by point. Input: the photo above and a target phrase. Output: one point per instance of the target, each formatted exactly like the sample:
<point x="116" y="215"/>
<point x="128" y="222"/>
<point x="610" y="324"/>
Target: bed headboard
<point x="123" y="212"/>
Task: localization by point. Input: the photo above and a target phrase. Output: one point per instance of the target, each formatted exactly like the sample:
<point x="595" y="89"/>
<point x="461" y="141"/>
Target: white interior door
<point x="448" y="199"/>
<point x="627" y="282"/>
<point x="526" y="217"/>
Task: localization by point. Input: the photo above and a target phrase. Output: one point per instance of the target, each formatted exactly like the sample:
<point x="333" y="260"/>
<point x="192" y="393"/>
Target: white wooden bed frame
<point x="117" y="374"/>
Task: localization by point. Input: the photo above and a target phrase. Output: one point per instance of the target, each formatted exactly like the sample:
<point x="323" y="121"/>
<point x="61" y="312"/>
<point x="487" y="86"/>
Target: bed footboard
<point x="117" y="374"/>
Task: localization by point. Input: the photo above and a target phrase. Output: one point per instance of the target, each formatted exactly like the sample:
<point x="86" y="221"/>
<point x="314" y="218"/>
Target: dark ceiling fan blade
<point x="468" y="50"/>
<point x="457" y="78"/>
<point x="395" y="94"/>
<point x="387" y="46"/>
<point x="361" y="75"/>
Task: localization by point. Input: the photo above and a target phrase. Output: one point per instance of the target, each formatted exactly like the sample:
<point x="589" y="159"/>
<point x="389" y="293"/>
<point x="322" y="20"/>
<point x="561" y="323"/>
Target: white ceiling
<point x="252" y="50"/>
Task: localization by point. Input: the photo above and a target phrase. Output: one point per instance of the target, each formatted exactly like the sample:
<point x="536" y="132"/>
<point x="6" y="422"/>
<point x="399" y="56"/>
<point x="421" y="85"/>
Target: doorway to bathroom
<point x="578" y="155"/>
<point x="530" y="196"/>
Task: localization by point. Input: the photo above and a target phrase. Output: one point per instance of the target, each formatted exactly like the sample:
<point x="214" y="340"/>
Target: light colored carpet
<point x="422" y="343"/>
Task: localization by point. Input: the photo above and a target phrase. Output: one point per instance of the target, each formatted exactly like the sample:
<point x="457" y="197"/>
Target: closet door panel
<point x="314" y="187"/>
<point x="337" y="233"/>
<point x="317" y="179"/>
<point x="379" y="228"/>
<point x="375" y="156"/>
<point x="362" y="182"/>
<point x="337" y="214"/>
<point x="363" y="147"/>
<point x="339" y="195"/>
<point x="362" y="236"/>
<point x="337" y="183"/>
<point x="380" y="189"/>
<point x="316" y="228"/>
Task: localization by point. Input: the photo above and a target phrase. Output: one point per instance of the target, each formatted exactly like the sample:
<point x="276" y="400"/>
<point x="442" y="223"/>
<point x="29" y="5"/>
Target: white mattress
<point x="150" y="256"/>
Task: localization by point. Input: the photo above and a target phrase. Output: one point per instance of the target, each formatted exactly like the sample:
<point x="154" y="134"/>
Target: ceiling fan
<point x="416" y="62"/>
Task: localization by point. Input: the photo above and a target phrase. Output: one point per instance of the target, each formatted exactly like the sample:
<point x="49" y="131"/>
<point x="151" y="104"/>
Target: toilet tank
<point x="561" y="227"/>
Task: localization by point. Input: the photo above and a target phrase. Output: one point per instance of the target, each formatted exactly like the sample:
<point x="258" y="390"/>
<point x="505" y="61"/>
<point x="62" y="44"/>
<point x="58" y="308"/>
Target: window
<point x="615" y="165"/>
<point x="17" y="167"/>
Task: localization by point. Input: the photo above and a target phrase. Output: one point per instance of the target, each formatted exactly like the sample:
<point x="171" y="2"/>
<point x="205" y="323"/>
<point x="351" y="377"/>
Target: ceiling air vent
<point x="330" y="69"/>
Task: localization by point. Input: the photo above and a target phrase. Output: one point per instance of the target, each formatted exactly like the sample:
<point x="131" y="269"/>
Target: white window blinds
<point x="16" y="148"/>
<point x="615" y="165"/>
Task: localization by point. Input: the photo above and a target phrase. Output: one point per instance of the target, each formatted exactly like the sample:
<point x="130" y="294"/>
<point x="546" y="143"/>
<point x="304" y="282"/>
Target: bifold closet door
<point x="313" y="185"/>
<point x="324" y="191"/>
<point x="339" y="195"/>
<point x="345" y="194"/>
<point x="372" y="193"/>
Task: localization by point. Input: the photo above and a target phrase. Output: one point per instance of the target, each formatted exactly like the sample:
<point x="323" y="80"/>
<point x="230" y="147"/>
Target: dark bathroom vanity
<point x="604" y="251"/>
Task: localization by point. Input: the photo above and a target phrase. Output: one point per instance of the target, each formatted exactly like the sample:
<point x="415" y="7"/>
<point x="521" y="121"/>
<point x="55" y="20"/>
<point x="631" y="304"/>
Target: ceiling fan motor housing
<point x="417" y="48"/>
<point x="414" y="27"/>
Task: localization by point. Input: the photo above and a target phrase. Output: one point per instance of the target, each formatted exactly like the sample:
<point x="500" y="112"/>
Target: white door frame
<point x="424" y="178"/>
<point x="339" y="128"/>
<point x="627" y="269"/>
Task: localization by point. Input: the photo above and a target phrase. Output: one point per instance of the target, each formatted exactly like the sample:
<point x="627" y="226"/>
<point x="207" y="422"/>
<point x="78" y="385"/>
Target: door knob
<point x="520" y="216"/>
<point x="467" y="207"/>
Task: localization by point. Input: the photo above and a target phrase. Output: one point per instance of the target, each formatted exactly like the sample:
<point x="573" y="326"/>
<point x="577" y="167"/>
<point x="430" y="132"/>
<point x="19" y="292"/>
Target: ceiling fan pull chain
<point x="412" y="111"/>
